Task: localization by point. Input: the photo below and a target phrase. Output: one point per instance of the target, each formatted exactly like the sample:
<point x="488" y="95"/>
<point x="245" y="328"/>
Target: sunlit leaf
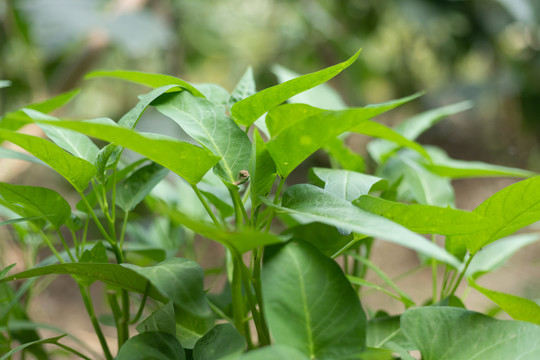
<point x="246" y="111"/>
<point x="348" y="185"/>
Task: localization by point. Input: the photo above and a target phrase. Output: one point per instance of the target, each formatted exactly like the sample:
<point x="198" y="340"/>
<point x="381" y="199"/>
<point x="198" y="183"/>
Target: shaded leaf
<point x="273" y="352"/>
<point x="138" y="185"/>
<point x="221" y="341"/>
<point x="53" y="340"/>
<point x="37" y="201"/>
<point x="262" y="170"/>
<point x="246" y="111"/>
<point x="181" y="280"/>
<point x="244" y="88"/>
<point x="161" y="320"/>
<point x="151" y="345"/>
<point x="328" y="320"/>
<point x="347" y="159"/>
<point x="348" y="185"/>
<point x="448" y="333"/>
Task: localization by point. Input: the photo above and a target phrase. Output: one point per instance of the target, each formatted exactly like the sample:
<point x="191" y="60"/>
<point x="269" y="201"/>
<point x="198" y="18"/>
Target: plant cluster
<point x="295" y="294"/>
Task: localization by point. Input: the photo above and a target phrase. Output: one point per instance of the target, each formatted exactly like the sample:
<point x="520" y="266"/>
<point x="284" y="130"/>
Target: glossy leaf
<point x="262" y="170"/>
<point x="151" y="345"/>
<point x="329" y="322"/>
<point x="208" y="124"/>
<point x="425" y="219"/>
<point x="448" y="333"/>
<point x="112" y="274"/>
<point x="348" y="185"/>
<point x="138" y="185"/>
<point x="221" y="341"/>
<point x="319" y="205"/>
<point x="181" y="280"/>
<point x="245" y="87"/>
<point x="246" y="111"/>
<point x="161" y="320"/>
<point x="495" y="254"/>
<point x="76" y="170"/>
<point x="517" y="307"/>
<point x="75" y="143"/>
<point x="144" y="78"/>
<point x="188" y="161"/>
<point x="413" y="127"/>
<point x="299" y="130"/>
<point x="323" y="95"/>
<point x="509" y="210"/>
<point x="38" y="201"/>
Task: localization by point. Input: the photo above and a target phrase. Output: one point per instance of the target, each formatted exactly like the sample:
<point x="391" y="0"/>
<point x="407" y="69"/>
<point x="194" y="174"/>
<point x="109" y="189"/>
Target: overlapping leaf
<point x="207" y="123"/>
<point x="246" y="111"/>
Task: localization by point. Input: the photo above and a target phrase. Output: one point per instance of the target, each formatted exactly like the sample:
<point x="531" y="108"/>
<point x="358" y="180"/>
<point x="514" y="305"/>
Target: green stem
<point x="117" y="314"/>
<point x="239" y="209"/>
<point x="96" y="220"/>
<point x="276" y="200"/>
<point x="123" y="231"/>
<point x="73" y="351"/>
<point x="90" y="309"/>
<point x="142" y="305"/>
<point x="51" y="246"/>
<point x="124" y="320"/>
<point x="433" y="275"/>
<point x="66" y="247"/>
<point x="205" y="204"/>
<point x="265" y="338"/>
<point x="461" y="275"/>
<point x="237" y="298"/>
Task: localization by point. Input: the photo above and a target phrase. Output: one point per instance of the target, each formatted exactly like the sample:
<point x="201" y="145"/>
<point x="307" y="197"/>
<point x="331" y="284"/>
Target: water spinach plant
<point x="295" y="255"/>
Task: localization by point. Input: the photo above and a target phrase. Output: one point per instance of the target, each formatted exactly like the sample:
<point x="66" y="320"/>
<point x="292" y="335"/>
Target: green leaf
<point x="181" y="280"/>
<point x="327" y="239"/>
<point x="221" y="341"/>
<point x="246" y="111"/>
<point x="319" y="205"/>
<point x="76" y="170"/>
<point x="96" y="255"/>
<point x="509" y="210"/>
<point x="215" y="93"/>
<point x="208" y="124"/>
<point x="188" y="161"/>
<point x="138" y="185"/>
<point x="262" y="170"/>
<point x="457" y="169"/>
<point x="517" y="307"/>
<point x="348" y="185"/>
<point x="425" y="219"/>
<point x="448" y="333"/>
<point x="75" y="143"/>
<point x="273" y="352"/>
<point x="37" y="201"/>
<point x="144" y="78"/>
<point x="112" y="274"/>
<point x="244" y="88"/>
<point x="382" y="330"/>
<point x="151" y="345"/>
<point x="18" y="220"/>
<point x="6" y="153"/>
<point x="323" y="95"/>
<point x="347" y="158"/>
<point x="16" y="119"/>
<point x="413" y="127"/>
<point x="299" y="130"/>
<point x="495" y="254"/>
<point x="161" y="319"/>
<point x="190" y="328"/>
<point x="53" y="340"/>
<point x="241" y="240"/>
<point x="329" y="322"/>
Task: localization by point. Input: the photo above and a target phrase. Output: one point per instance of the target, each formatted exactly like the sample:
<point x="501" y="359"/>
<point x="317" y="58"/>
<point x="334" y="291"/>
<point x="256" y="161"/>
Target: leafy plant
<point x="286" y="294"/>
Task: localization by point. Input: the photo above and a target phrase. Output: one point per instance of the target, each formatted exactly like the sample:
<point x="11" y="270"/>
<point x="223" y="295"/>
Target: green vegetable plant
<point x="295" y="257"/>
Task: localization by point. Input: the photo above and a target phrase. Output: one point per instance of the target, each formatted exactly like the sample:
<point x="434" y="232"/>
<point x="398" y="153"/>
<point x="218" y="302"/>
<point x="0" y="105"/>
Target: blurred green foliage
<point x="483" y="50"/>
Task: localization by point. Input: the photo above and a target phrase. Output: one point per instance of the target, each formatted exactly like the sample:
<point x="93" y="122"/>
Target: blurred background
<point x="487" y="51"/>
